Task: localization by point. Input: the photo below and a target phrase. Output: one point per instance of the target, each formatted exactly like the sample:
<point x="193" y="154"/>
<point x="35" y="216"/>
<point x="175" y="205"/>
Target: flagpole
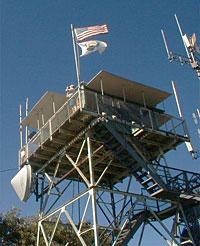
<point x="77" y="63"/>
<point x="76" y="56"/>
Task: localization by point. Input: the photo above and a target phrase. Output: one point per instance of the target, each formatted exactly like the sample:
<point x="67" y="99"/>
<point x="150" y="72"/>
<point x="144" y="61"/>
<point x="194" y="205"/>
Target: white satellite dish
<point x="22" y="183"/>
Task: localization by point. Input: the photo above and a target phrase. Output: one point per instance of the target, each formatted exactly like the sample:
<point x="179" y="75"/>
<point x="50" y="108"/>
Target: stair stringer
<point x="130" y="227"/>
<point x="136" y="156"/>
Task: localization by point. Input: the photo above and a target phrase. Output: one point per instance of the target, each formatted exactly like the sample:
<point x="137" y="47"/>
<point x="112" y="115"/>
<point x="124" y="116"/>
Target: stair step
<point x="121" y="238"/>
<point x="141" y="176"/>
<point x="127" y="159"/>
<point x="157" y="192"/>
<point x="120" y="241"/>
<point x="186" y="242"/>
<point x="147" y="181"/>
<point x="133" y="222"/>
<point x="123" y="234"/>
<point x="125" y="229"/>
<point x="152" y="186"/>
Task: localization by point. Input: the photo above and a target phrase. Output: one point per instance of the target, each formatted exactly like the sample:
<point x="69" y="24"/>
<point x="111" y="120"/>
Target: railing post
<point x="151" y="120"/>
<point x="79" y="93"/>
<point x="97" y="103"/>
<point x="27" y="151"/>
<point x="186" y="181"/>
<point x="50" y="129"/>
<point x="83" y="95"/>
<point x="173" y="127"/>
<point x="68" y="113"/>
<point x="19" y="159"/>
<point x="185" y="129"/>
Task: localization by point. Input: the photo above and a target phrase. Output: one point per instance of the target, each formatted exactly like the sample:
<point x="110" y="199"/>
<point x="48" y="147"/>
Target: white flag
<point x="92" y="46"/>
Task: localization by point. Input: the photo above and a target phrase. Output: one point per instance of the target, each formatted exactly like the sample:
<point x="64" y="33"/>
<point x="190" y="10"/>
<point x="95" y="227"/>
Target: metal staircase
<point x="157" y="180"/>
<point x="147" y="181"/>
<point x="131" y="158"/>
<point x="129" y="228"/>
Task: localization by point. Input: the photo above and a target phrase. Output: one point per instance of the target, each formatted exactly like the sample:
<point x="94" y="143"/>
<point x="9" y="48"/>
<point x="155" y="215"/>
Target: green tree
<point x="15" y="230"/>
<point x="22" y="231"/>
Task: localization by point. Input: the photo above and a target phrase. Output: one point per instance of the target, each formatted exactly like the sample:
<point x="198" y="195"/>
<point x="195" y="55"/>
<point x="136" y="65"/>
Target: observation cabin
<point x="131" y="108"/>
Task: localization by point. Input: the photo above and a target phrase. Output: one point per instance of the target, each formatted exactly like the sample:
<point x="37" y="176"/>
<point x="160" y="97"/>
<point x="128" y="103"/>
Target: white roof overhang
<point x="43" y="110"/>
<point x="116" y="86"/>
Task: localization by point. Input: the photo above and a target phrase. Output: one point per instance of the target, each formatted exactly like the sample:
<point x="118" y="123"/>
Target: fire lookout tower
<point x="89" y="154"/>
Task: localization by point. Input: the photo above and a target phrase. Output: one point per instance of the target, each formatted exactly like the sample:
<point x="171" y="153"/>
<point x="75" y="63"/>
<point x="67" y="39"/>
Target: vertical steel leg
<point x="93" y="192"/>
<point x="38" y="234"/>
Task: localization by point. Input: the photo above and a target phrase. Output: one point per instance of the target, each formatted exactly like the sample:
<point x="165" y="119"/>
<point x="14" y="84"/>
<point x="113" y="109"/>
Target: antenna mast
<point x="191" y="48"/>
<point x="188" y="144"/>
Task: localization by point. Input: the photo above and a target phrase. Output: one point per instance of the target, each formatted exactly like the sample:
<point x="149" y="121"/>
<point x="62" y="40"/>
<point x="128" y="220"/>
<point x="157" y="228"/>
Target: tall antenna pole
<point x="190" y="54"/>
<point x="165" y="42"/>
<point x="177" y="99"/>
<point x="179" y="27"/>
<point x="198" y="113"/>
<point x="188" y="144"/>
<point x="196" y="118"/>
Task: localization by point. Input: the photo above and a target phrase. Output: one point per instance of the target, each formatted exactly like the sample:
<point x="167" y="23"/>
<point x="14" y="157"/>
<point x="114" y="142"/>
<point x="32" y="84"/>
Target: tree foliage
<point x="22" y="231"/>
<point x="15" y="230"/>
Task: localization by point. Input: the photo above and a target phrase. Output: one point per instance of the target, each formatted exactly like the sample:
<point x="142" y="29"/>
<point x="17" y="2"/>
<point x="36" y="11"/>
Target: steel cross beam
<point x="140" y="203"/>
<point x="91" y="185"/>
<point x="110" y="209"/>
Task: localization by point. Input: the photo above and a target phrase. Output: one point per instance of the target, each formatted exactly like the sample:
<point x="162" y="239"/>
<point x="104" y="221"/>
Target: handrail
<point x="178" y="178"/>
<point x="173" y="168"/>
<point x="46" y="130"/>
<point x="96" y="103"/>
<point x="112" y="104"/>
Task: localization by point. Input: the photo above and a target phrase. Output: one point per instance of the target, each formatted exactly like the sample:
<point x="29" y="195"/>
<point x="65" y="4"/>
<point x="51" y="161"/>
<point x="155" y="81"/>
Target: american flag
<point x="85" y="32"/>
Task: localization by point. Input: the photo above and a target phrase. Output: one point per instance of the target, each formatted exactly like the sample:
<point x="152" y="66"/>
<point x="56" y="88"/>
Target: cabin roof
<point x="133" y="91"/>
<point x="111" y="85"/>
<point x="44" y="107"/>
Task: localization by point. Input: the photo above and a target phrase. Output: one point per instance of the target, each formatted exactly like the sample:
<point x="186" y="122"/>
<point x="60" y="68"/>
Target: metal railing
<point x="54" y="123"/>
<point x="134" y="113"/>
<point x="177" y="179"/>
<point x="96" y="103"/>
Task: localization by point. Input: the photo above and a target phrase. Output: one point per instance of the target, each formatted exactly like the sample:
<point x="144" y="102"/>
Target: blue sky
<point x="37" y="55"/>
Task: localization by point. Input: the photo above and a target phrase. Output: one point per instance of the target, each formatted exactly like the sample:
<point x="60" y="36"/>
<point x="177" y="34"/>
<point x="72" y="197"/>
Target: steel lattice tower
<point x="92" y="152"/>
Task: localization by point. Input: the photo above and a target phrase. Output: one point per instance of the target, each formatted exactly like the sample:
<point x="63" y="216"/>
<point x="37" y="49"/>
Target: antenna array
<point x="191" y="47"/>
